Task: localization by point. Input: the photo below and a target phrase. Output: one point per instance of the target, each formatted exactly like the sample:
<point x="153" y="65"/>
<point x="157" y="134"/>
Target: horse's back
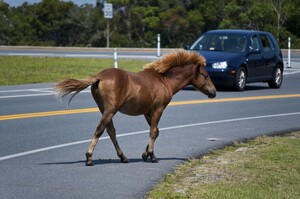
<point x="123" y="91"/>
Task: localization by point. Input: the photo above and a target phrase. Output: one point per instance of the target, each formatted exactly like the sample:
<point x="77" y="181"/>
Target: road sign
<point x="108" y="11"/>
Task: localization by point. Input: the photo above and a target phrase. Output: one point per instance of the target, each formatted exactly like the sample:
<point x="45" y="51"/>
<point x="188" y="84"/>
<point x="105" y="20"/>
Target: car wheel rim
<point x="278" y="76"/>
<point x="242" y="79"/>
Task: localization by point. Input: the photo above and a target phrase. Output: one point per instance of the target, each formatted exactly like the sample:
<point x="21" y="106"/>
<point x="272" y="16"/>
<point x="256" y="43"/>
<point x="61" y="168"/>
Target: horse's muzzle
<point x="212" y="94"/>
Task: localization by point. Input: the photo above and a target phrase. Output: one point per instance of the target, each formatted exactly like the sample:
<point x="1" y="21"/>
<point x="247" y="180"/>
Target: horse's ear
<point x="197" y="71"/>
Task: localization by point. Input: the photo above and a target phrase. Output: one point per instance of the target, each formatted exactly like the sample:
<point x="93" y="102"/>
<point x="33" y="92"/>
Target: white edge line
<point x="43" y="93"/>
<point x="29" y="95"/>
<point x="144" y="131"/>
<point x="26" y="90"/>
<point x="30" y="54"/>
<point x="291" y="73"/>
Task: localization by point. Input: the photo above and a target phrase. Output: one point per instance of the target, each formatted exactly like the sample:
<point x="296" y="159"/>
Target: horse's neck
<point x="180" y="77"/>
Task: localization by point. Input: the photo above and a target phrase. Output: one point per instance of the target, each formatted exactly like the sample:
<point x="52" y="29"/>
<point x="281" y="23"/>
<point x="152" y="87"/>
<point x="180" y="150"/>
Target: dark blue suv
<point x="237" y="57"/>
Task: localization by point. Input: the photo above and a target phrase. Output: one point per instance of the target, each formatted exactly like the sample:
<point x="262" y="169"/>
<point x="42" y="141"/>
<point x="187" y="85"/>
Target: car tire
<point x="240" y="79"/>
<point x="277" y="77"/>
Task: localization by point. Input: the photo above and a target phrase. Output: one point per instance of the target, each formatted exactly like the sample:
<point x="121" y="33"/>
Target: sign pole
<point x="108" y="14"/>
<point x="107" y="33"/>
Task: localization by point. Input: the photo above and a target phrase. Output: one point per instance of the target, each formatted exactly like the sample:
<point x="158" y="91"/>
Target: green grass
<point x="24" y="70"/>
<point x="267" y="167"/>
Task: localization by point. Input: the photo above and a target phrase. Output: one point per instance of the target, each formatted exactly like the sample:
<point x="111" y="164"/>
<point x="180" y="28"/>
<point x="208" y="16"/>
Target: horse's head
<point x="202" y="82"/>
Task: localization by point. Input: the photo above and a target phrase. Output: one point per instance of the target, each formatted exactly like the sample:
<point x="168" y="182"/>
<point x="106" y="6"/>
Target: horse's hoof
<point x="145" y="157"/>
<point x="89" y="164"/>
<point x="89" y="160"/>
<point x="124" y="160"/>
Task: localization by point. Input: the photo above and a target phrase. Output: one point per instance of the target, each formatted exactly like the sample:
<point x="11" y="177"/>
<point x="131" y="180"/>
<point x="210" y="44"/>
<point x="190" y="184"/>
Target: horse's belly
<point x="135" y="107"/>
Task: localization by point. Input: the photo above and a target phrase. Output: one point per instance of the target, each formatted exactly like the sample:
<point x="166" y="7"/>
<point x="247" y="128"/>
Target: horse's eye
<point x="205" y="76"/>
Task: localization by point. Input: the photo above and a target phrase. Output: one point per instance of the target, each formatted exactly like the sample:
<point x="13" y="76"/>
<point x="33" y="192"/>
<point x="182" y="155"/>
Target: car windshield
<point x="220" y="42"/>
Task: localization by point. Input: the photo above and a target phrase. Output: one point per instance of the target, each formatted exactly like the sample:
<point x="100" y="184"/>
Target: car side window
<point x="267" y="45"/>
<point x="254" y="45"/>
<point x="272" y="45"/>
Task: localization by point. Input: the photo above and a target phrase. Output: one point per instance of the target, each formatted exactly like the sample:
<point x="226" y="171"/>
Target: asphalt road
<point x="71" y="52"/>
<point x="122" y="53"/>
<point x="43" y="142"/>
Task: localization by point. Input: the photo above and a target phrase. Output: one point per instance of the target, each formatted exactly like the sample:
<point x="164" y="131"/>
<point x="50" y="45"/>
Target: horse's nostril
<point x="212" y="94"/>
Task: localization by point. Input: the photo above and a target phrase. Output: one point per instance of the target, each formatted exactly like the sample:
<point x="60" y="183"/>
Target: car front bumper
<point x="222" y="77"/>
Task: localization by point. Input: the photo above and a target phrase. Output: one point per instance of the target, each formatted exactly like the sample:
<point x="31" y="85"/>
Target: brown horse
<point x="147" y="92"/>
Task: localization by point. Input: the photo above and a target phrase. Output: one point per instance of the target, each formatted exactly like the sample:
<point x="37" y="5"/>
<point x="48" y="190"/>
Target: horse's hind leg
<point x="106" y="118"/>
<point x="112" y="134"/>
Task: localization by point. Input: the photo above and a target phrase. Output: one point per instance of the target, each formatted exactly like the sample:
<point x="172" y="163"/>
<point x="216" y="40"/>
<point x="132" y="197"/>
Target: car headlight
<point x="220" y="65"/>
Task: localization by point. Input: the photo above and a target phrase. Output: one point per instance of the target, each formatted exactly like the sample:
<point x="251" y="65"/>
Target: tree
<point x="281" y="9"/>
<point x="5" y="23"/>
<point x="136" y="23"/>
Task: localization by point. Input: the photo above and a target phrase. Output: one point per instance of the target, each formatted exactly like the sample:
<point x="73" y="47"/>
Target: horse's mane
<point x="175" y="59"/>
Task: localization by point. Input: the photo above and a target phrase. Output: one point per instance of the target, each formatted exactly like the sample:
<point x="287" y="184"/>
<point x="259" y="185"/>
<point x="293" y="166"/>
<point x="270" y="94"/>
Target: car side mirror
<point x="187" y="47"/>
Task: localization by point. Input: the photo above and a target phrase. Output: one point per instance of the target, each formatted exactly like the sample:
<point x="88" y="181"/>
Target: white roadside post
<point x="289" y="53"/>
<point x="158" y="45"/>
<point x="115" y="58"/>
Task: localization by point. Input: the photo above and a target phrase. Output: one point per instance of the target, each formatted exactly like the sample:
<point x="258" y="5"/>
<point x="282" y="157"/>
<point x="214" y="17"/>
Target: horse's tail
<point x="74" y="86"/>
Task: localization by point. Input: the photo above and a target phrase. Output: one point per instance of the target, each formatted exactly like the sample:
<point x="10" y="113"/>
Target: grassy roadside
<point x="23" y="70"/>
<point x="267" y="167"/>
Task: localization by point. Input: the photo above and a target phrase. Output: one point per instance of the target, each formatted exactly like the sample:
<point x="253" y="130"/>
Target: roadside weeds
<point x="266" y="167"/>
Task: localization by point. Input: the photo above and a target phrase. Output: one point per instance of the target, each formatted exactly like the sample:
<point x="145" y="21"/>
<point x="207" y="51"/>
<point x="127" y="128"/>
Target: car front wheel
<point x="240" y="79"/>
<point x="276" y="80"/>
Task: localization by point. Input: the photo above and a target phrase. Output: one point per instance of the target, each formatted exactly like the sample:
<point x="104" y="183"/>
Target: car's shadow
<point x="247" y="88"/>
<point x="228" y="89"/>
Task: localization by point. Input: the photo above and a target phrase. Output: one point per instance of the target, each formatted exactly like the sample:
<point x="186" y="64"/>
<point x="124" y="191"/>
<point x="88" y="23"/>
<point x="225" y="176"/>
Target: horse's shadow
<point x="110" y="161"/>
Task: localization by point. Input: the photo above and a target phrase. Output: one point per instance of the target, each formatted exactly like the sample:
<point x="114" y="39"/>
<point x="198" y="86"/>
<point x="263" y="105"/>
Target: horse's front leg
<point x="154" y="132"/>
<point x="149" y="152"/>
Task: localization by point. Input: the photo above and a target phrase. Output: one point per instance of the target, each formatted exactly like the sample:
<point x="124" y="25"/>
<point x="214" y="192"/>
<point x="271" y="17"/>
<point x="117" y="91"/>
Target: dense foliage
<point x="136" y="23"/>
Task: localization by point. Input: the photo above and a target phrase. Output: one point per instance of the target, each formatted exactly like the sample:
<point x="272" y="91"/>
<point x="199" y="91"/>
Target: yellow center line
<point x="234" y="99"/>
<point x="90" y="110"/>
<point x="48" y="113"/>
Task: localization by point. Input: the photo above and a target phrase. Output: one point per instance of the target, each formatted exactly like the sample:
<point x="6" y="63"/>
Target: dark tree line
<point x="136" y="23"/>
